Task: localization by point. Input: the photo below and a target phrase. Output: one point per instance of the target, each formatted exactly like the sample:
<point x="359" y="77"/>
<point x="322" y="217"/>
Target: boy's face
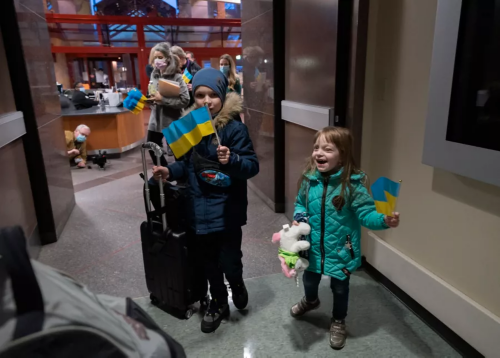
<point x="326" y="155"/>
<point x="205" y="95"/>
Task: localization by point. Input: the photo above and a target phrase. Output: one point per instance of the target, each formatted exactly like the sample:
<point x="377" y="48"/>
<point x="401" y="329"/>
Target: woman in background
<point x="187" y="66"/>
<point x="165" y="110"/>
<point x="228" y="68"/>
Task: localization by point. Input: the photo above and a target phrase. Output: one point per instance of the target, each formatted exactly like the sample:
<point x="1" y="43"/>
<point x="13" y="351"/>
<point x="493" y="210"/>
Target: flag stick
<point x="397" y="199"/>
<point x="212" y="122"/>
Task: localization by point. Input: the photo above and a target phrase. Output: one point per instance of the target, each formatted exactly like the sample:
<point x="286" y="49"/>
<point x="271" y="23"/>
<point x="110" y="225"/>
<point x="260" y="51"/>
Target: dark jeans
<point x="157" y="138"/>
<point x="222" y="255"/>
<point x="339" y="288"/>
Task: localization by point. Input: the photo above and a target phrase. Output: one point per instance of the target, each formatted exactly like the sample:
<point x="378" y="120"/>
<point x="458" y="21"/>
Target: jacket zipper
<point x="323" y="209"/>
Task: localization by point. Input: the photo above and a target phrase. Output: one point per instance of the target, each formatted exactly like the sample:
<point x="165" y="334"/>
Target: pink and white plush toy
<point x="290" y="246"/>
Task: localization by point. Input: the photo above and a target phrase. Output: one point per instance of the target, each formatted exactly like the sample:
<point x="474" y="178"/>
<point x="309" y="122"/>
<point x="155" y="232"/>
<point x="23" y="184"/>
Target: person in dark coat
<point x="149" y="70"/>
<point x="218" y="209"/>
<point x="80" y="99"/>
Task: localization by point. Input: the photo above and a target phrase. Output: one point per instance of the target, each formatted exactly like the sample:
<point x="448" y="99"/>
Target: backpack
<point x="46" y="313"/>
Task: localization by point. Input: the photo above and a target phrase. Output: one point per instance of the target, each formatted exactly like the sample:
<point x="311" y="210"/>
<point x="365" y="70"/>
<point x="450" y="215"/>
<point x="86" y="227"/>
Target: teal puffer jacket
<point x="336" y="235"/>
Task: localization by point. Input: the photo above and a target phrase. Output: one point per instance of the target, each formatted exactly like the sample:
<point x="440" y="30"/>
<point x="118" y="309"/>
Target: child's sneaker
<point x="338" y="334"/>
<point x="303" y="306"/>
<point x="213" y="317"/>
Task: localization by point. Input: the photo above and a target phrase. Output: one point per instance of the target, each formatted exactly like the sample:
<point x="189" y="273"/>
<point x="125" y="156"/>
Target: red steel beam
<point x="93" y="49"/>
<point x="128" y="20"/>
<point x="142" y="61"/>
<point x="87" y="50"/>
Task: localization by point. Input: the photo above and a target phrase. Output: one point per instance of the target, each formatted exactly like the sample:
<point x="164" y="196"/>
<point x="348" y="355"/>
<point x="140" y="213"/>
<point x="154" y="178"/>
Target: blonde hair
<point x="177" y="62"/>
<point x="176" y="50"/>
<point x="343" y="140"/>
<point x="232" y="70"/>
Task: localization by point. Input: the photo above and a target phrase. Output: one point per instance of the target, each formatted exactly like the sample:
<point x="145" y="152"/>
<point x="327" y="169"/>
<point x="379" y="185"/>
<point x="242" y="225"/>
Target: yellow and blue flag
<point x="185" y="133"/>
<point x="135" y="101"/>
<point x="385" y="193"/>
<point x="187" y="76"/>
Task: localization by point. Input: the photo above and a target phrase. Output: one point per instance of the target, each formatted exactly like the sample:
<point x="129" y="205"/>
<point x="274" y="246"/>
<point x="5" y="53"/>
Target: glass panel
<point x="121" y="35"/>
<point x="157" y="8"/>
<point x="104" y="71"/>
<point x="117" y="35"/>
<point x="197" y="36"/>
<point x="474" y="117"/>
<point x="73" y="35"/>
<point x="114" y="35"/>
<point x="233" y="11"/>
<point x="157" y="33"/>
<point x="193" y="36"/>
<point x="231" y="37"/>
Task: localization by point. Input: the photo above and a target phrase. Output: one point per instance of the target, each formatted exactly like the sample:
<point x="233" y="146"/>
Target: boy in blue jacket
<point x="217" y="176"/>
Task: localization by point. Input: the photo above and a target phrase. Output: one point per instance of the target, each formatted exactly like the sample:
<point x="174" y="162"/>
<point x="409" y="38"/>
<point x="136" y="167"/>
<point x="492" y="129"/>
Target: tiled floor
<point x="378" y="325"/>
<point x="100" y="246"/>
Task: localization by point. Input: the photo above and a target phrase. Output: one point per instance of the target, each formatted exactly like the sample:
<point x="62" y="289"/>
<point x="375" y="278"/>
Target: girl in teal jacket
<point x="334" y="200"/>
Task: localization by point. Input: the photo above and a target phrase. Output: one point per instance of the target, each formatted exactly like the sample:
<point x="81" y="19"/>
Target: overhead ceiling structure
<point x="162" y="8"/>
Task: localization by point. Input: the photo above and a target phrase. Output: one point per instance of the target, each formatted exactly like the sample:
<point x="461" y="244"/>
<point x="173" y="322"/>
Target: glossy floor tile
<point x="100" y="245"/>
<point x="113" y="168"/>
<point x="378" y="325"/>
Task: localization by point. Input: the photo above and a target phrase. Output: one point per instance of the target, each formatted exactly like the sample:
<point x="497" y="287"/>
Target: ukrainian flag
<point x="135" y="101"/>
<point x="186" y="76"/>
<point x="385" y="193"/>
<point x="185" y="133"/>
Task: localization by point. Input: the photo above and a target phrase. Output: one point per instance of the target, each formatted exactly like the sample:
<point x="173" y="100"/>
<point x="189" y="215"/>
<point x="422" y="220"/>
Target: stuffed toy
<point x="290" y="246"/>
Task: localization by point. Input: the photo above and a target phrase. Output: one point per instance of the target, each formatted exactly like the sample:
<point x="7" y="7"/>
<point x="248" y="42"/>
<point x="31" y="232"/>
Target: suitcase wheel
<point x="154" y="300"/>
<point x="189" y="313"/>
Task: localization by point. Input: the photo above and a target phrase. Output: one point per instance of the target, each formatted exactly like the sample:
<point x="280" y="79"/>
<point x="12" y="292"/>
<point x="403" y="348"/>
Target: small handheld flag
<point x="256" y="74"/>
<point x="185" y="133"/>
<point x="385" y="193"/>
<point x="135" y="101"/>
<point x="186" y="76"/>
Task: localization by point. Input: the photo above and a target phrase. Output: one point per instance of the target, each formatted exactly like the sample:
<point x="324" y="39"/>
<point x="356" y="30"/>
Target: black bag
<point x="172" y="263"/>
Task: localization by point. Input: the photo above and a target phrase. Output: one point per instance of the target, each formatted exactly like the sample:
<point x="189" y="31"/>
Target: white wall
<point x="450" y="224"/>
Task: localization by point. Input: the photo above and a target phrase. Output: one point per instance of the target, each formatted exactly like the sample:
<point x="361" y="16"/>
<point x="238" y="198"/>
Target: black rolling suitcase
<point x="172" y="263"/>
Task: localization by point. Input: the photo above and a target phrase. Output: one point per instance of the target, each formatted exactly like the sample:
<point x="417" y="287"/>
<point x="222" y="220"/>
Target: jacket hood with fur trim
<point x="232" y="107"/>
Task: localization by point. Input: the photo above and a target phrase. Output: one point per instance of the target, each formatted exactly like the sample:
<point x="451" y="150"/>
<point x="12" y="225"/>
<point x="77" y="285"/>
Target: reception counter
<point x="113" y="129"/>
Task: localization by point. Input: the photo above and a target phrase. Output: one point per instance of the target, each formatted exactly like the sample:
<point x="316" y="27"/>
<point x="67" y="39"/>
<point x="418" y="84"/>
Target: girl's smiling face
<point x="325" y="155"/>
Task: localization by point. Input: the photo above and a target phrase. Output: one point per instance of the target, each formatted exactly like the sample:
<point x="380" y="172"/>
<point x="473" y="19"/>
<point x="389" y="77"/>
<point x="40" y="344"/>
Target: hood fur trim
<point x="232" y="106"/>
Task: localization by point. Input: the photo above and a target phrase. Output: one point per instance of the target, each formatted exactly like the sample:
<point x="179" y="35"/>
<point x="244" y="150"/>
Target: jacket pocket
<point x="346" y="252"/>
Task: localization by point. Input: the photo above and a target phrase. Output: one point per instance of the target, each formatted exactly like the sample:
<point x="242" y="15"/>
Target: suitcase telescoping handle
<point x="158" y="152"/>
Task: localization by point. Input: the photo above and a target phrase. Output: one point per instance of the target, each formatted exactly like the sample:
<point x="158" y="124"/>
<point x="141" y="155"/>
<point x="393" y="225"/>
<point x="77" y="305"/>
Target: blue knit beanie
<point x="213" y="79"/>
